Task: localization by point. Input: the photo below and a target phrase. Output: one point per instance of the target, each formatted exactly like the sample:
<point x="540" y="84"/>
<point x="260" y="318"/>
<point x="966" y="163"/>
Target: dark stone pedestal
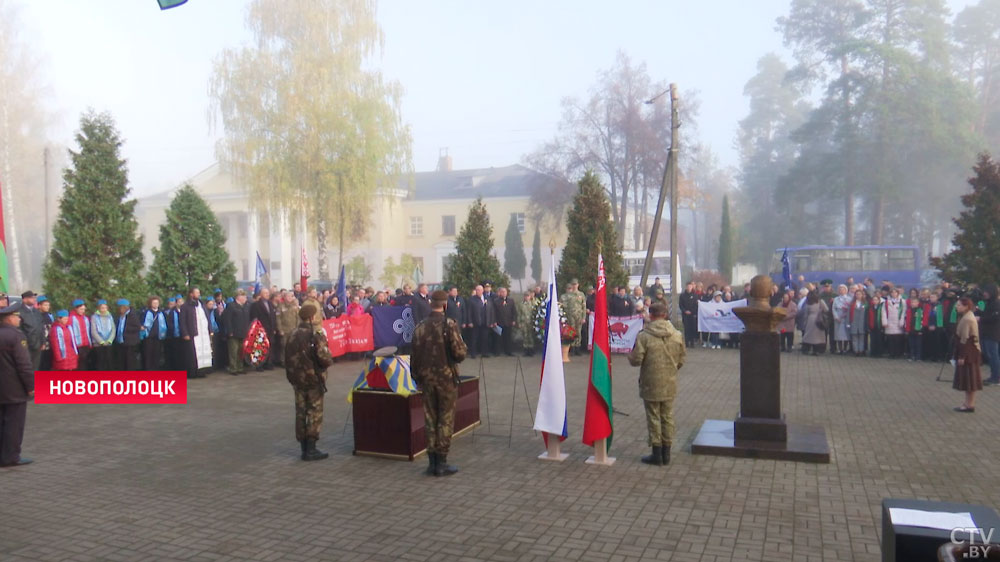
<point x="804" y="443"/>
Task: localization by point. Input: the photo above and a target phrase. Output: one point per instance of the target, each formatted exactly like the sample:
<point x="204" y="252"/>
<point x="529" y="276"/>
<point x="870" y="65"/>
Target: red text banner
<point x="349" y="334"/>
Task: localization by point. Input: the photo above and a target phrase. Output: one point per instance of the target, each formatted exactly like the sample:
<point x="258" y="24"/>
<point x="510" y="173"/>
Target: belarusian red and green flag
<point x="597" y="422"/>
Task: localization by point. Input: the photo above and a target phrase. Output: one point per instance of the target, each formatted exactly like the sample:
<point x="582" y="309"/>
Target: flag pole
<point x="552" y="452"/>
<point x="600" y="456"/>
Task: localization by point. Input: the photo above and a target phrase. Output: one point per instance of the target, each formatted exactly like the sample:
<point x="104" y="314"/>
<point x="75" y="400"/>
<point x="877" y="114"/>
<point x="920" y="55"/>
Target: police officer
<point x="437" y="350"/>
<point x="307" y="357"/>
<point x="17" y="386"/>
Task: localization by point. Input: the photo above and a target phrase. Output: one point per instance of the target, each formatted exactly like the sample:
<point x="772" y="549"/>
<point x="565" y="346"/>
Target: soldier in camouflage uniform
<point x="526" y="323"/>
<point x="307" y="357"/>
<point x="574" y="304"/>
<point x="659" y="353"/>
<point x="437" y="350"/>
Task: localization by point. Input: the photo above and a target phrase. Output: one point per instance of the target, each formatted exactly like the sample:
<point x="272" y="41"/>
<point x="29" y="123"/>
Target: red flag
<point x="303" y="272"/>
<point x="597" y="422"/>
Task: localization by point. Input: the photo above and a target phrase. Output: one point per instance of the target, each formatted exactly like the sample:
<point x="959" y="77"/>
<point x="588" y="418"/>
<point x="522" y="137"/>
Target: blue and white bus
<point x="898" y="264"/>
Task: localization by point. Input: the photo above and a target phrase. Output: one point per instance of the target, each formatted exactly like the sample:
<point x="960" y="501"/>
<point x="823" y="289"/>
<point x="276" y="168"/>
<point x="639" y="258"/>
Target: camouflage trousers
<point x="308" y="412"/>
<point x="439" y="416"/>
<point x="660" y="422"/>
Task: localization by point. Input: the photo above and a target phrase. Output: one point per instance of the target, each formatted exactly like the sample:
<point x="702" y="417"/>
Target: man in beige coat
<point x="659" y="353"/>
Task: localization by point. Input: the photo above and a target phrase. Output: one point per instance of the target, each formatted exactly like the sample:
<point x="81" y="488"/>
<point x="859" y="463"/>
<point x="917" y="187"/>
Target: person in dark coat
<point x="128" y="326"/>
<point x="455" y="308"/>
<point x="989" y="324"/>
<point x="17" y="386"/>
<point x="505" y="312"/>
<point x="154" y="331"/>
<point x="481" y="316"/>
<point x="689" y="314"/>
<point x="264" y="311"/>
<point x="171" y="344"/>
<point x="235" y="325"/>
<point x="189" y="331"/>
<point x="421" y="304"/>
<point x="33" y="327"/>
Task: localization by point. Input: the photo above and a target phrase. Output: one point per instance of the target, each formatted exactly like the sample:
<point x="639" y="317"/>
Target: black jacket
<point x="189" y="317"/>
<point x="133" y="325"/>
<point x="236" y="321"/>
<point x="32" y="326"/>
<point x="16" y="377"/>
<point x="989" y="322"/>
<point x="480" y="314"/>
<point x="263" y="311"/>
<point x="421" y="308"/>
<point x="689" y="303"/>
<point x="456" y="310"/>
<point x="505" y="312"/>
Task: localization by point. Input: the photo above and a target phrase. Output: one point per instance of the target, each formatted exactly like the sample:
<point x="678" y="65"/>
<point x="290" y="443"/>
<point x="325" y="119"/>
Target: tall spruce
<point x="96" y="248"/>
<point x="192" y="250"/>
<point x="473" y="260"/>
<point x="591" y="231"/>
<point x="976" y="257"/>
<point x="514" y="260"/>
<point x="536" y="256"/>
<point x="726" y="242"/>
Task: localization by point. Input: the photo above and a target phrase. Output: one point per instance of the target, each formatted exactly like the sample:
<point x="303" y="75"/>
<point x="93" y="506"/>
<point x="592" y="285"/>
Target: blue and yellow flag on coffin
<point x="386" y="373"/>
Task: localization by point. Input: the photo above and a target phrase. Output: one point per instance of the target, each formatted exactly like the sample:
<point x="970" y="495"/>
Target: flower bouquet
<point x="567" y="333"/>
<point x="256" y="345"/>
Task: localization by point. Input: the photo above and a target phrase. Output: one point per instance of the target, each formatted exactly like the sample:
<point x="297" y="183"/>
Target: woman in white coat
<point x="893" y="322"/>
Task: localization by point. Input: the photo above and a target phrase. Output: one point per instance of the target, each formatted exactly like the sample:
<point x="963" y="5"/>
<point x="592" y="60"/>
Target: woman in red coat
<point x="968" y="355"/>
<point x="64" y="354"/>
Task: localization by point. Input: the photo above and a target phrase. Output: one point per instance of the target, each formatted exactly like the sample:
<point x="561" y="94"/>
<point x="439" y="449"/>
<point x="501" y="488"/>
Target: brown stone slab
<point x="805" y="443"/>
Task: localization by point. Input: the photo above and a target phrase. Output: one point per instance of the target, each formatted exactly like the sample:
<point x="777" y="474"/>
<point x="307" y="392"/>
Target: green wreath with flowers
<point x="539" y="319"/>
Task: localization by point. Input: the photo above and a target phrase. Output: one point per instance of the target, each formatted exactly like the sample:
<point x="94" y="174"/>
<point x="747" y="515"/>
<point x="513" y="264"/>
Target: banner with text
<point x="718" y="317"/>
<point x="349" y="334"/>
<point x="622" y="331"/>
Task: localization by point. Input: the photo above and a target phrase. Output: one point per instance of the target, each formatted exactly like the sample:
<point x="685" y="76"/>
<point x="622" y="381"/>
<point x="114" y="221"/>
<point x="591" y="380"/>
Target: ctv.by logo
<point x="978" y="550"/>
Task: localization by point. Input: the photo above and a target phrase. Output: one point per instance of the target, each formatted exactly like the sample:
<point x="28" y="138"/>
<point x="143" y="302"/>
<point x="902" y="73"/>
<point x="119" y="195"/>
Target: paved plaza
<point x="219" y="479"/>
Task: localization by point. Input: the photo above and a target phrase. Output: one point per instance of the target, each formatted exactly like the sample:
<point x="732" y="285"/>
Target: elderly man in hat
<point x="79" y="324"/>
<point x="33" y="327"/>
<point x="17" y="386"/>
<point x="128" y="326"/>
<point x="64" y="352"/>
<point x="307" y="356"/>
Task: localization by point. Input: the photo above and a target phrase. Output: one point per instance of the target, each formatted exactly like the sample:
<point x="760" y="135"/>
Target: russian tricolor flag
<point x="550" y="417"/>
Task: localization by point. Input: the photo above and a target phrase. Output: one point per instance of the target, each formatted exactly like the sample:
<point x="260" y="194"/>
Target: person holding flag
<point x="598" y="426"/>
<point x="659" y="353"/>
<point x="786" y="270"/>
<point x="550" y="414"/>
<point x="303" y="277"/>
<point x="259" y="274"/>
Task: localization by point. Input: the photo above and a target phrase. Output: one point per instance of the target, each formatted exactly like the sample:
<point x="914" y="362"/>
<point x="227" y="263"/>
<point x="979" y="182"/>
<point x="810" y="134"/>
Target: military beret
<point x="123" y="302"/>
<point x="590" y="287"/>
<point x="574" y="281"/>
<point x="78" y="302"/>
<point x="439" y="296"/>
<point x="172" y="299"/>
<point x="307" y="311"/>
<point x="826" y="282"/>
<point x="101" y="301"/>
<point x="218" y="291"/>
<point x="230" y="299"/>
<point x="42" y="298"/>
<point x="62" y="314"/>
<point x="178" y="297"/>
<point x="12" y="309"/>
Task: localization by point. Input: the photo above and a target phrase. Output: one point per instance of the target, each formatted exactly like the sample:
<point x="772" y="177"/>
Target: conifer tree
<point x="514" y="261"/>
<point x="726" y="242"/>
<point x="96" y="248"/>
<point x="591" y="231"/>
<point x="192" y="250"/>
<point x="536" y="257"/>
<point x="976" y="257"/>
<point x="473" y="261"/>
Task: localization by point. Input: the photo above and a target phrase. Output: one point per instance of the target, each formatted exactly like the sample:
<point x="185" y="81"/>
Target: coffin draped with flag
<point x="386" y="373"/>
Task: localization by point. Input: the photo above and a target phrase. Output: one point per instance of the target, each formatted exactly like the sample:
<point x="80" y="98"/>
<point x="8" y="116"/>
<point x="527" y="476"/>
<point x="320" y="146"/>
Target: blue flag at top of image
<point x="261" y="272"/>
<point x="342" y="288"/>
<point x="167" y="4"/>
<point x="786" y="270"/>
<point x="392" y="325"/>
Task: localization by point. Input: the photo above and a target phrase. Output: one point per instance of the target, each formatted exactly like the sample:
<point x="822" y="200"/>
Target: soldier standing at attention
<point x="437" y="350"/>
<point x="574" y="304"/>
<point x="17" y="386"/>
<point x="307" y="357"/>
<point x="659" y="353"/>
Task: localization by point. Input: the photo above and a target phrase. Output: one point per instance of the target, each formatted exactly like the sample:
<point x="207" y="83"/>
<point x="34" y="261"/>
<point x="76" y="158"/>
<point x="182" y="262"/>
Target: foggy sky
<point x="483" y="79"/>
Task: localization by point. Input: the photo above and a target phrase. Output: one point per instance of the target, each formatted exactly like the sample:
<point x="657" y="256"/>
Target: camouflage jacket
<point x="438" y="348"/>
<point x="318" y="318"/>
<point x="574" y="304"/>
<point x="526" y="320"/>
<point x="288" y="318"/>
<point x="307" y="356"/>
<point x="659" y="353"/>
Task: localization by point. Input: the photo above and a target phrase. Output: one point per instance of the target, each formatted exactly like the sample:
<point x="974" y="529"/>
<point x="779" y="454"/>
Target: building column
<point x="285" y="254"/>
<point x="253" y="246"/>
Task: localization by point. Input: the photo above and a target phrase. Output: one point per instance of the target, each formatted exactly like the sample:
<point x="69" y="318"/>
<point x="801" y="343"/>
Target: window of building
<point x="416" y="226"/>
<point x="446" y="265"/>
<point x="519" y="217"/>
<point x="448" y="225"/>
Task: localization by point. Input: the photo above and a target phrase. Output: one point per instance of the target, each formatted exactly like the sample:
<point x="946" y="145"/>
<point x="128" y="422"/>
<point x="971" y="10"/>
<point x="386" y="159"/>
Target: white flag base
<point x="601" y="454"/>
<point x="553" y="454"/>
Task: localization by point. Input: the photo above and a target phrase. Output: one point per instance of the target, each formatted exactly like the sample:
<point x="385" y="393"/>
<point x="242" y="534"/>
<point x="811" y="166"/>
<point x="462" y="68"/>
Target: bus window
<point x="822" y="260"/>
<point x="900" y="260"/>
<point x="801" y="263"/>
<point x="847" y="260"/>
<point x="873" y="260"/>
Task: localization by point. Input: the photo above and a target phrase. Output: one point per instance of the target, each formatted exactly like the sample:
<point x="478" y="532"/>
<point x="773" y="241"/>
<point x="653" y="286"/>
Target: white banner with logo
<point x="718" y="317"/>
<point x="622" y="331"/>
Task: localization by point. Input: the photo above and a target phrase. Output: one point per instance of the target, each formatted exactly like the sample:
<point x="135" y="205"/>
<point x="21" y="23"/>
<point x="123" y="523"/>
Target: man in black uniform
<point x="17" y="386"/>
<point x="689" y="314"/>
<point x="32" y="326"/>
<point x="262" y="310"/>
<point x="506" y="316"/>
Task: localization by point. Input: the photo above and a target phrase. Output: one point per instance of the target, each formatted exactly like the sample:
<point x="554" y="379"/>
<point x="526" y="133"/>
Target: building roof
<point x="508" y="181"/>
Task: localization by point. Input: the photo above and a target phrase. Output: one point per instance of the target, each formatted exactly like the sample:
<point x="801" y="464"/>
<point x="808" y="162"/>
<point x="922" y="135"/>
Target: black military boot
<point x="665" y="454"/>
<point x="655" y="457"/>
<point x="304" y="449"/>
<point x="442" y="468"/>
<point x="312" y="453"/>
<point x="432" y="462"/>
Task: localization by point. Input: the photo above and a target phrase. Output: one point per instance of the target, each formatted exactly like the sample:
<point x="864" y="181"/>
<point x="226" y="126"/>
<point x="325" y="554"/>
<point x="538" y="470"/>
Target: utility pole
<point x="669" y="183"/>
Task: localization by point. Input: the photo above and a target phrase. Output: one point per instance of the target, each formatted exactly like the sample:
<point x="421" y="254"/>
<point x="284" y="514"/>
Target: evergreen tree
<point x="591" y="231"/>
<point x="473" y="261"/>
<point x="536" y="257"/>
<point x="726" y="242"/>
<point x="96" y="249"/>
<point x="514" y="260"/>
<point x="976" y="257"/>
<point x="192" y="250"/>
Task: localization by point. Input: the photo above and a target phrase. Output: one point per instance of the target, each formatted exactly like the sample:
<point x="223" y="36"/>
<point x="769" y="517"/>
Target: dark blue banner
<point x="392" y="325"/>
